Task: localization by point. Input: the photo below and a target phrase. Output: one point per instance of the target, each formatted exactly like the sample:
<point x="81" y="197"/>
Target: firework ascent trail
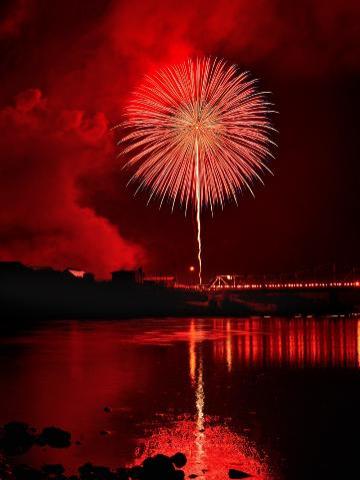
<point x="197" y="133"/>
<point x="198" y="207"/>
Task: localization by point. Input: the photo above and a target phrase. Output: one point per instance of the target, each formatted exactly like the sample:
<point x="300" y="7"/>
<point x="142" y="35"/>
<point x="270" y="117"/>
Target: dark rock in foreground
<point x="25" y="472"/>
<point x="159" y="467"/>
<point x="16" y="438"/>
<point x="89" y="471"/>
<point x="233" y="473"/>
<point x="179" y="460"/>
<point x="54" y="437"/>
<point x="53" y="469"/>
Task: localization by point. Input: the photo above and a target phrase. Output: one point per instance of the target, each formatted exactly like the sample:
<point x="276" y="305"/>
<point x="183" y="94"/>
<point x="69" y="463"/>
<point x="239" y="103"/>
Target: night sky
<point x="68" y="68"/>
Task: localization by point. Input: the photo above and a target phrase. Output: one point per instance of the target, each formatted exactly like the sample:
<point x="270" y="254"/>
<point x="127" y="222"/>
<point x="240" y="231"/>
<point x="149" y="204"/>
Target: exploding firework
<point x="198" y="133"/>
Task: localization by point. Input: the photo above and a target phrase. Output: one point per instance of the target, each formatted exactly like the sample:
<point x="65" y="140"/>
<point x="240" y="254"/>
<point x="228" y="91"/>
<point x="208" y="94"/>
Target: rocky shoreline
<point x="17" y="438"/>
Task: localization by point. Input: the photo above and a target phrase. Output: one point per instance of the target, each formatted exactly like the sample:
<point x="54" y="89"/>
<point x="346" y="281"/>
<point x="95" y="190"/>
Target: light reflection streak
<point x="297" y="343"/>
<point x="192" y="351"/>
<point x="228" y="345"/>
<point x="197" y="380"/>
<point x="200" y="421"/>
<point x="231" y="447"/>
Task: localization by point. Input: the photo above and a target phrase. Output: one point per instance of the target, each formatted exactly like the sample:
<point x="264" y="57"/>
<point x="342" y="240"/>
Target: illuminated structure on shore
<point x="237" y="282"/>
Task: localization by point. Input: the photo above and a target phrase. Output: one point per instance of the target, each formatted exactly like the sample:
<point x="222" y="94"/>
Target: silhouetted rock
<point x="88" y="471"/>
<point x="122" y="474"/>
<point x="55" y="437"/>
<point x="5" y="469"/>
<point x="104" y="473"/>
<point x="53" y="469"/>
<point x="16" y="438"/>
<point x="233" y="473"/>
<point x="86" y="468"/>
<point x="159" y="466"/>
<point x="25" y="472"/>
<point x="136" y="472"/>
<point x="178" y="475"/>
<point x="179" y="460"/>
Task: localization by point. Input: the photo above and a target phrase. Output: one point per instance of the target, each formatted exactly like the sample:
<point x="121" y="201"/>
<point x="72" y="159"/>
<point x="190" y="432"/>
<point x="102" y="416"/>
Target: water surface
<point x="274" y="397"/>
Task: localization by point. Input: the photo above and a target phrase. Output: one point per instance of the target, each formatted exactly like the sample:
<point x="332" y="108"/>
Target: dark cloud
<point x="13" y="15"/>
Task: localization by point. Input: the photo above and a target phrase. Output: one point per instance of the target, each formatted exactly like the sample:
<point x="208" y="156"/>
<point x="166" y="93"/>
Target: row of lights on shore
<point x="258" y="286"/>
<point x="254" y="286"/>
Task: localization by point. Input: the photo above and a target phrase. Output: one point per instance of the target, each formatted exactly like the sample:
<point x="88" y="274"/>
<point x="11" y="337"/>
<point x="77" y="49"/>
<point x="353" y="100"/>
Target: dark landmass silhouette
<point x="44" y="293"/>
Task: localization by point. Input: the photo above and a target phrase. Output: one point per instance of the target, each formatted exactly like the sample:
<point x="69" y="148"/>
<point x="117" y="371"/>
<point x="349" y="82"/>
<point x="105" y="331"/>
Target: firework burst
<point x="198" y="133"/>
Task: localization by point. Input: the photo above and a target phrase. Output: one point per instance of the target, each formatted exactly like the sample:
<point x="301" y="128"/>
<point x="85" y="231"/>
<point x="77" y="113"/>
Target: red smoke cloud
<point x="61" y="181"/>
<point x="13" y="20"/>
<point x="44" y="151"/>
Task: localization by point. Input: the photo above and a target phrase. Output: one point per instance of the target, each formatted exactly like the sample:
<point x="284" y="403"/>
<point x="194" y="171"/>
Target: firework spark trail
<point x="198" y="207"/>
<point x="198" y="133"/>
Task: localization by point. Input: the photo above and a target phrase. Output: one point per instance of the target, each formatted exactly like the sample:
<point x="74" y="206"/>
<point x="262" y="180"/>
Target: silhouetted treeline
<point x="46" y="293"/>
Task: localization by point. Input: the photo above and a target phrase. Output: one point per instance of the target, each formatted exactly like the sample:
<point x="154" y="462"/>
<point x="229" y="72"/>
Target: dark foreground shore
<point x="16" y="438"/>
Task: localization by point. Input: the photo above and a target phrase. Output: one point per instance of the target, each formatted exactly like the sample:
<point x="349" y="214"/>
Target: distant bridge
<point x="219" y="285"/>
<point x="323" y="277"/>
<point x="236" y="282"/>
